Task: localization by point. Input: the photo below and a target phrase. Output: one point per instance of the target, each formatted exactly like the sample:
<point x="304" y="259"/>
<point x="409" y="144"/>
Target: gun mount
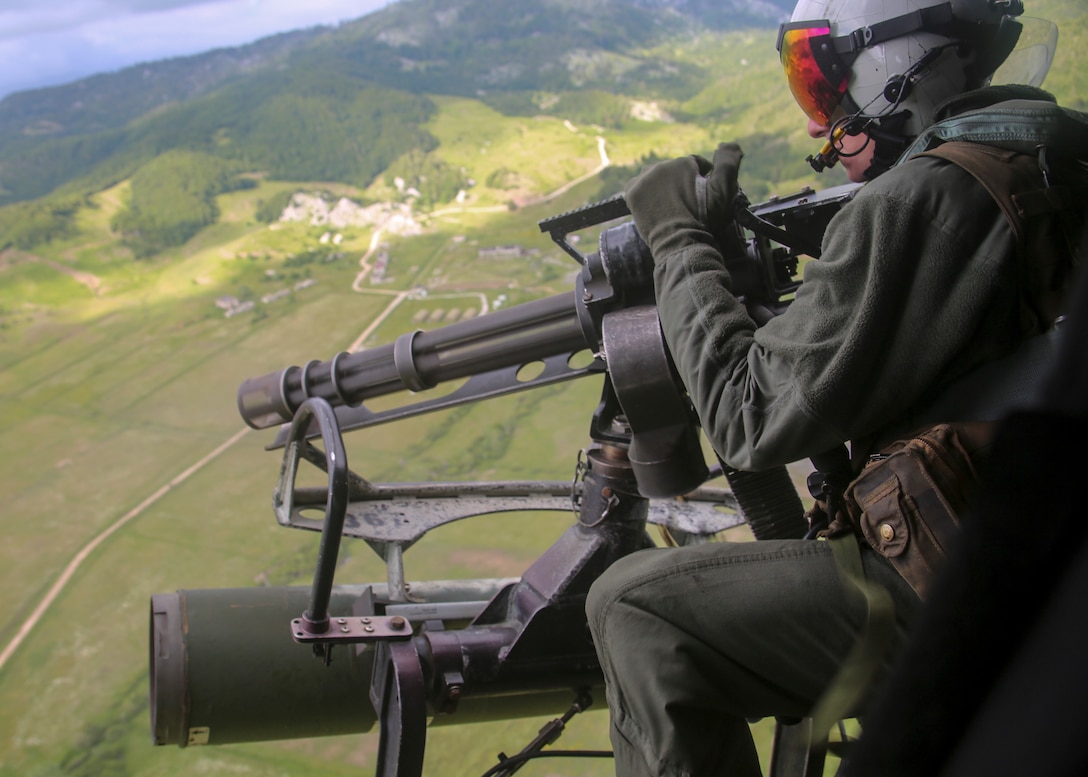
<point x="469" y="650"/>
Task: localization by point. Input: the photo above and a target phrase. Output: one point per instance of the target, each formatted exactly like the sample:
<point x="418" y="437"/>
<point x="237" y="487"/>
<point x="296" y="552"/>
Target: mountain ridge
<point x="296" y="105"/>
<point x="150" y="85"/>
<point x="345" y="103"/>
<point x="147" y="85"/>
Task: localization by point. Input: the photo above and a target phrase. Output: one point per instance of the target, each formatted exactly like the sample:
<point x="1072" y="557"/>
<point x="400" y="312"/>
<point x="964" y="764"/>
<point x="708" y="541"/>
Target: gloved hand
<point x="686" y="201"/>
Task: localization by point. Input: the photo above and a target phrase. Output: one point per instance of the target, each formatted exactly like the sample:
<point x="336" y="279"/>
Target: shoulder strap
<point x="1015" y="181"/>
<point x="1043" y="215"/>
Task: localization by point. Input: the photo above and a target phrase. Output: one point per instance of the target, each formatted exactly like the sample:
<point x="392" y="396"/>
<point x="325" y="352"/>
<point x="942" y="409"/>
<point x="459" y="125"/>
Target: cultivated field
<point x="126" y="471"/>
<point x="119" y="419"/>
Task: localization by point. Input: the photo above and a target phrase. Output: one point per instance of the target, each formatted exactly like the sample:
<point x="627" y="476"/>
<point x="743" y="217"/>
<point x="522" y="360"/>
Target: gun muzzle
<point x="420" y="360"/>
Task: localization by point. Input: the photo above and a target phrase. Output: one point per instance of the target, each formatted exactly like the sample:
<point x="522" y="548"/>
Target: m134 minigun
<point x="227" y="664"/>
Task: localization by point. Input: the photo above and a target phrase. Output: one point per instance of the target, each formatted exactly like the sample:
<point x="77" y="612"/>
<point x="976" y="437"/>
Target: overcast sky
<point x="49" y="42"/>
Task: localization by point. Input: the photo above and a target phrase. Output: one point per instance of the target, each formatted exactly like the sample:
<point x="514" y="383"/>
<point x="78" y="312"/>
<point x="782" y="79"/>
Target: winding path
<point x="90" y="280"/>
<point x="62" y="581"/>
<point x="398" y="297"/>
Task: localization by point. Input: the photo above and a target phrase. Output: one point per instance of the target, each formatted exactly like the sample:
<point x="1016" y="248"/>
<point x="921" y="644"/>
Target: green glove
<point x="722" y="191"/>
<point x="686" y="201"/>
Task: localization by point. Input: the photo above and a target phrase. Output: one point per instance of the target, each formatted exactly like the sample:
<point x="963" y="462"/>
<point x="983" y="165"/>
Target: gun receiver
<point x="470" y="650"/>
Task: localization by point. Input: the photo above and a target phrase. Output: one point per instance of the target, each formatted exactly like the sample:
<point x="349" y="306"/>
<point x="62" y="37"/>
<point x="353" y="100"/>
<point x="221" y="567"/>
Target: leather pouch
<point x="909" y="502"/>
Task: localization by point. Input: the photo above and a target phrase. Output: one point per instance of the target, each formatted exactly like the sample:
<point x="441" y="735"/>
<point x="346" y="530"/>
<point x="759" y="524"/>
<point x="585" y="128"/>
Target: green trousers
<point x="696" y="641"/>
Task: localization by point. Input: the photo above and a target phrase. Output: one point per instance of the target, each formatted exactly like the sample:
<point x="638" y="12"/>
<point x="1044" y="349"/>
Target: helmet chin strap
<point x="889" y="142"/>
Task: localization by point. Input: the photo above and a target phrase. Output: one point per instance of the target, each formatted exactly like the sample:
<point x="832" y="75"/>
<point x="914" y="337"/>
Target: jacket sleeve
<point x="903" y="300"/>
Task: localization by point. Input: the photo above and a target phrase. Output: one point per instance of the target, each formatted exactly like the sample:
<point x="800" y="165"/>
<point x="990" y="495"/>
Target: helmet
<point x="884" y="66"/>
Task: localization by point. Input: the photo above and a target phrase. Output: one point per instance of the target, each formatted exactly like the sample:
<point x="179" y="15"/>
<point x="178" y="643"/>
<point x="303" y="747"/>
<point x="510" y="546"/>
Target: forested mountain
<point x="111" y="100"/>
<point x="445" y="30"/>
<point x="342" y="104"/>
<point x="474" y="47"/>
<point x="302" y="90"/>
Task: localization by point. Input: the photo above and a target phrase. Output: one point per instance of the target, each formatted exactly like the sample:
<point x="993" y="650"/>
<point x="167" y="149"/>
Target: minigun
<point x="226" y="664"/>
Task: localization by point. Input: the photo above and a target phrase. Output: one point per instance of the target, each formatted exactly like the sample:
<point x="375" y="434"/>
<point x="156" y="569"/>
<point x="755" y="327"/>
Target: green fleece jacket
<point x="916" y="286"/>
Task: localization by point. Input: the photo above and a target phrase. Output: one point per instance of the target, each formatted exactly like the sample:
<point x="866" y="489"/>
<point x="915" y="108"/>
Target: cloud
<point x="22" y="18"/>
<point x="54" y="42"/>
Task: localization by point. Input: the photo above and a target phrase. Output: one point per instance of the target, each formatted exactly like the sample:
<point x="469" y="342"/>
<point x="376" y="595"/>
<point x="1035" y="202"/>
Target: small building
<point x="501" y="252"/>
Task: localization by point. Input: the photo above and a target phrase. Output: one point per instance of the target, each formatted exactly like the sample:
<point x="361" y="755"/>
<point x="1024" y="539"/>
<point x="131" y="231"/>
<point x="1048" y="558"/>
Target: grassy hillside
<point x="314" y="125"/>
<point x="118" y="376"/>
<point x="341" y="104"/>
<point x="109" y="399"/>
<point x="300" y="125"/>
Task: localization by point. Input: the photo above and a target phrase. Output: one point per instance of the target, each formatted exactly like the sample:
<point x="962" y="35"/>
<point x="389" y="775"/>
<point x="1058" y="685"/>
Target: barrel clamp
<point x="352" y="630"/>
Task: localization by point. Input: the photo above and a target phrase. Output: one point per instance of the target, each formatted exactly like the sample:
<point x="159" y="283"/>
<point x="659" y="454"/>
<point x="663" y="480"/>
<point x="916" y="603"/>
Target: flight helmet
<point x="884" y="66"/>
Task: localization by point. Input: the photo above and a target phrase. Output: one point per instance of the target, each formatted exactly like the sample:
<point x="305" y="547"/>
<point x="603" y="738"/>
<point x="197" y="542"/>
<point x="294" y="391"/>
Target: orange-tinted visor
<point x="814" y="70"/>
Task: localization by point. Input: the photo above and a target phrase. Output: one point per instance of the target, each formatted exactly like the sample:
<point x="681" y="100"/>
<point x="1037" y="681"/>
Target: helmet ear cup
<point x="896" y="89"/>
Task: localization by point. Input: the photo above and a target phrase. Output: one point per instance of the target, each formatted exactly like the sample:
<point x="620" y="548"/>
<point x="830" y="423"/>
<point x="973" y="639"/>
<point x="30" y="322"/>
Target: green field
<point x="116" y="382"/>
<point x="118" y="376"/>
<point x="104" y="408"/>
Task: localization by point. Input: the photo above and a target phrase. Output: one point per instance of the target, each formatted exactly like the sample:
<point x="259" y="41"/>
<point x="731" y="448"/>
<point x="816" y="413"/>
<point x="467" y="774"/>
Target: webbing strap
<point x="855" y="676"/>
<point x="1044" y="216"/>
<point x="1013" y="180"/>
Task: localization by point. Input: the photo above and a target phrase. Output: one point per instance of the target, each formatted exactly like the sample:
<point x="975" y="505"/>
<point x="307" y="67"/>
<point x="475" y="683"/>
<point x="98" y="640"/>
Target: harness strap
<point x="1045" y="216"/>
<point x="1012" y="179"/>
<point x="856" y="673"/>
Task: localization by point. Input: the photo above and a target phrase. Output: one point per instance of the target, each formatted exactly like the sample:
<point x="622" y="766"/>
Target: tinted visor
<point x="816" y="74"/>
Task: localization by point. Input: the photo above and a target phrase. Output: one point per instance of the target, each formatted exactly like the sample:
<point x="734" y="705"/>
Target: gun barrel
<point x="420" y="360"/>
